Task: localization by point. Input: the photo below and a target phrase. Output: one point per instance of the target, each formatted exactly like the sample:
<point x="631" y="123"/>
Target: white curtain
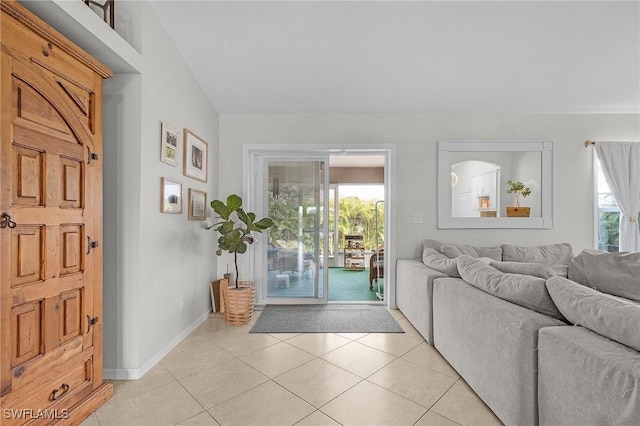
<point x="621" y="166"/>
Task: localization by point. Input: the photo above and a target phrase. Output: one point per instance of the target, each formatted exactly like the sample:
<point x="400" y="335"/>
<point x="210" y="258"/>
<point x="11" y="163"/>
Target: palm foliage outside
<point x="355" y="216"/>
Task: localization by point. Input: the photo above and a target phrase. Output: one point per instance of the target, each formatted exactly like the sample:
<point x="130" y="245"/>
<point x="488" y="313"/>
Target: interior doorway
<point x="356" y="221"/>
<point x="308" y="258"/>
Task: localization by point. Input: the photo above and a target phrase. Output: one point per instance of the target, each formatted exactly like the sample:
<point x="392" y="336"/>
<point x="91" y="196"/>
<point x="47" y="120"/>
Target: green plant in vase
<point x="236" y="227"/>
<point x="518" y="188"/>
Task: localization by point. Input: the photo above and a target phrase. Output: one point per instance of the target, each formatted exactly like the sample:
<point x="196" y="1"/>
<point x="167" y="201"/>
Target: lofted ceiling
<point x="269" y="57"/>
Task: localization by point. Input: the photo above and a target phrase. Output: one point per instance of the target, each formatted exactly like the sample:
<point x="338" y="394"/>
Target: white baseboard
<point x="136" y="373"/>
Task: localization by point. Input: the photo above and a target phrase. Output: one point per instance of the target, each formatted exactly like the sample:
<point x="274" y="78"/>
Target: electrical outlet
<point x="416" y="218"/>
<point x="181" y="302"/>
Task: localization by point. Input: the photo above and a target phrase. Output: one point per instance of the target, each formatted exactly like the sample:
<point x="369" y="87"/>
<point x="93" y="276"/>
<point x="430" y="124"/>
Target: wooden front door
<point x="51" y="192"/>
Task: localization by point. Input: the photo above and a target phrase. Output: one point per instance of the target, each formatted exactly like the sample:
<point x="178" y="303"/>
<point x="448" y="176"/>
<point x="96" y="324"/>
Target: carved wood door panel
<point x="51" y="224"/>
<point x="49" y="188"/>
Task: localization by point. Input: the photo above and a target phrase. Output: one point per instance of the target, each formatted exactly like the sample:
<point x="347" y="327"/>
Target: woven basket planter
<point x="238" y="302"/>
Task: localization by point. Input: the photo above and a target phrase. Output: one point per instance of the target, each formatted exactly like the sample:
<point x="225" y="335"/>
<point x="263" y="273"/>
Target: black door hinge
<point x="91" y="155"/>
<point x="91" y="244"/>
<point x="91" y="322"/>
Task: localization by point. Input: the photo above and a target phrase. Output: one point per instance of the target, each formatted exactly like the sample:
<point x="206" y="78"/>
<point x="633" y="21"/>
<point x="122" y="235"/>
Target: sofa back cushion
<point x="613" y="273"/>
<point x="454" y="250"/>
<point x="610" y="316"/>
<point x="488" y="253"/>
<point x="557" y="256"/>
<point x="494" y="253"/>
<point x="524" y="290"/>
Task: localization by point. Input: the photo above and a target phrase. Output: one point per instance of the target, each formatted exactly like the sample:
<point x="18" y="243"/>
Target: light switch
<point x="416" y="218"/>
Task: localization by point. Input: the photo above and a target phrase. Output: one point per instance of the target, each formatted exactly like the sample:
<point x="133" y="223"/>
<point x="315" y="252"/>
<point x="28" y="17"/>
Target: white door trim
<point x="389" y="151"/>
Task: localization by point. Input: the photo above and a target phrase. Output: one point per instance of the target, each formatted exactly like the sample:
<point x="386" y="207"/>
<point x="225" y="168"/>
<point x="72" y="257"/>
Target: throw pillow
<point x="453" y="251"/>
<point x="439" y="262"/>
<point x="434" y="244"/>
<point x="524" y="290"/>
<point x="494" y="253"/>
<point x="557" y="256"/>
<point x="613" y="317"/>
<point x="525" y="268"/>
<point x="613" y="273"/>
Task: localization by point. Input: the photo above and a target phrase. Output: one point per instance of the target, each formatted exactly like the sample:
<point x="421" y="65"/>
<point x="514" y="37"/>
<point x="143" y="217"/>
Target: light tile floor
<point x="223" y="375"/>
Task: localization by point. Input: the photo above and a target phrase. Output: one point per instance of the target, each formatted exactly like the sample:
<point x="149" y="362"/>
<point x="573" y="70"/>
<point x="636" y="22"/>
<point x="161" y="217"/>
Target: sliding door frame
<point x="262" y="163"/>
<point x="250" y="156"/>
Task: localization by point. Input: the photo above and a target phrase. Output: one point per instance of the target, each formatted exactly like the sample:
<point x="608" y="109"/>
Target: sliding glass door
<point x="294" y="194"/>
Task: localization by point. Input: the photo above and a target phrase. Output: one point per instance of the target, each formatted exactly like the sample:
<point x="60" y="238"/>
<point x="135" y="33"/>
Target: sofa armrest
<point x="414" y="294"/>
<point x="586" y="379"/>
<point x="492" y="344"/>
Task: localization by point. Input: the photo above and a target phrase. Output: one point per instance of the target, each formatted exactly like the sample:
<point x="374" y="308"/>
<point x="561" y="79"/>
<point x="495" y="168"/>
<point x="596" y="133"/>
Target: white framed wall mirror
<point x="473" y="184"/>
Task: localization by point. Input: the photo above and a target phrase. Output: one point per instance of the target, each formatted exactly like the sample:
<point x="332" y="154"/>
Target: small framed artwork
<point x="196" y="152"/>
<point x="171" y="196"/>
<point x="169" y="145"/>
<point x="197" y="205"/>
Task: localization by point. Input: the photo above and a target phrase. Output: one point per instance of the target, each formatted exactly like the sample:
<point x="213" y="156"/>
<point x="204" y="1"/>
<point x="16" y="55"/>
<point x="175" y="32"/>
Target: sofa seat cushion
<point x="524" y="268"/>
<point x="524" y="290"/>
<point x="611" y="316"/>
<point x="557" y="256"/>
<point x="613" y="273"/>
<point x="439" y="262"/>
<point x="586" y="379"/>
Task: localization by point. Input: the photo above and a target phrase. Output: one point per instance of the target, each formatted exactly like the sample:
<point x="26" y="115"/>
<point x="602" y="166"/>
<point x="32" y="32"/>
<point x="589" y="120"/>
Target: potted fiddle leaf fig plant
<point x="235" y="231"/>
<point x="518" y="188"/>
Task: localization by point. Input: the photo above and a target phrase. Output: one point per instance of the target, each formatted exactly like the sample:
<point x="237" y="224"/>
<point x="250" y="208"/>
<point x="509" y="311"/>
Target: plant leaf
<point x="242" y="215"/>
<point x="265" y="223"/>
<point x="233" y="202"/>
<point x="221" y="209"/>
<point x="226" y="227"/>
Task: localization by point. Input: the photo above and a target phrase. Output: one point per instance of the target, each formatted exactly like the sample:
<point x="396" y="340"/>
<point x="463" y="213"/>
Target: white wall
<point x="152" y="259"/>
<point x="416" y="137"/>
<point x="122" y="108"/>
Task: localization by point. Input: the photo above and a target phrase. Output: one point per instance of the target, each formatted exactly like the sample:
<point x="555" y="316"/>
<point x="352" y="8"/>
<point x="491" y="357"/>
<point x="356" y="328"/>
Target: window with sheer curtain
<point x="608" y="213"/>
<point x="608" y="217"/>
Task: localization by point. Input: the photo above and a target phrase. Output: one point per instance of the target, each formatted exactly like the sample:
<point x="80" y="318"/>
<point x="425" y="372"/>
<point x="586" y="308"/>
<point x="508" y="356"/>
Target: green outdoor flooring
<point x="352" y="286"/>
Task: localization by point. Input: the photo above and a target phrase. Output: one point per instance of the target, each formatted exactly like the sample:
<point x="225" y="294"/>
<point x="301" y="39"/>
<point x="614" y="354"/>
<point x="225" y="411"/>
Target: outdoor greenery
<point x="608" y="229"/>
<point x="283" y="210"/>
<point x="356" y="216"/>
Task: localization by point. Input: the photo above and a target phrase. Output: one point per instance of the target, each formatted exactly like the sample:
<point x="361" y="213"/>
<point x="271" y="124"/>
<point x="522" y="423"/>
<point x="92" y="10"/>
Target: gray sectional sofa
<point x="504" y="318"/>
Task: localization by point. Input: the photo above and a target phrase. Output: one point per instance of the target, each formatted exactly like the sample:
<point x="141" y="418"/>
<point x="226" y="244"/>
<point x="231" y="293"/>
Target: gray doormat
<point x="325" y="319"/>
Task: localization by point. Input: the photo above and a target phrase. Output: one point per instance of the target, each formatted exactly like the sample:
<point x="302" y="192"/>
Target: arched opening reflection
<point x="475" y="193"/>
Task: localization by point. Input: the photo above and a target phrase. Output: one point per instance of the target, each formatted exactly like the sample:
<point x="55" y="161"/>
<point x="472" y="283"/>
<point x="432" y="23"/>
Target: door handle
<point x="6" y="221"/>
<point x="55" y="395"/>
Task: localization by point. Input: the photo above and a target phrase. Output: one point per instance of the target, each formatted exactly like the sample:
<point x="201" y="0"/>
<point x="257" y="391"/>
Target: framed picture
<point x="169" y="145"/>
<point x="197" y="205"/>
<point x="196" y="152"/>
<point x="171" y="196"/>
